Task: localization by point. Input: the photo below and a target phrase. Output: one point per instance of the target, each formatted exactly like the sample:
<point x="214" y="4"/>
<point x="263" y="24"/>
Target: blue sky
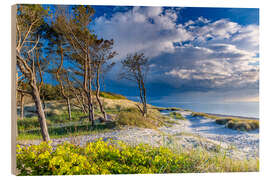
<point x="196" y="54"/>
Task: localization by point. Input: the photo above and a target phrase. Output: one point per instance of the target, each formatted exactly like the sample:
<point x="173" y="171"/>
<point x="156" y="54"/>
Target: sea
<point x="243" y="109"/>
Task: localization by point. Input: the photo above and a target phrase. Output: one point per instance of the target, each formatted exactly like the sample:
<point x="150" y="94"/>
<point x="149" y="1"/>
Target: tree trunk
<point x="98" y="98"/>
<point x="83" y="102"/>
<point x="101" y="108"/>
<point x="22" y="106"/>
<point x="69" y="108"/>
<point x="40" y="112"/>
<point x="144" y="99"/>
<point x="90" y="110"/>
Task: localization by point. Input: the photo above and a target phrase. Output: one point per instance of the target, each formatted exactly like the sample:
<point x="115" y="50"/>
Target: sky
<point x="195" y="54"/>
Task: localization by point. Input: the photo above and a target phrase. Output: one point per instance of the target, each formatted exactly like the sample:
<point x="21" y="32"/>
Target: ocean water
<point x="245" y="109"/>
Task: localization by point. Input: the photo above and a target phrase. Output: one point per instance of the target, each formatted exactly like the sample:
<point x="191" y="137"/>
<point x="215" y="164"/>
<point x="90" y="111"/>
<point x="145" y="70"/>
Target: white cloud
<point x="218" y="54"/>
<point x="147" y="29"/>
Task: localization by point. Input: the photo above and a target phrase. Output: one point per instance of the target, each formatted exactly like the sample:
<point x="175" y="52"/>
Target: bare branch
<point x="24" y="91"/>
<point x="34" y="46"/>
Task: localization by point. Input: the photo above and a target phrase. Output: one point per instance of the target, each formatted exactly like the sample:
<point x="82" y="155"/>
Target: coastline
<point x="240" y="117"/>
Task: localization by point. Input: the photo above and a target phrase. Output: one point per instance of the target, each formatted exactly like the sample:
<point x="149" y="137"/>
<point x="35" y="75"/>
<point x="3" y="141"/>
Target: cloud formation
<point x="198" y="53"/>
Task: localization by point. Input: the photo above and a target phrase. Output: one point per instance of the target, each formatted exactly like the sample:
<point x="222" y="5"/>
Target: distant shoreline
<point x="241" y="117"/>
<point x="213" y="114"/>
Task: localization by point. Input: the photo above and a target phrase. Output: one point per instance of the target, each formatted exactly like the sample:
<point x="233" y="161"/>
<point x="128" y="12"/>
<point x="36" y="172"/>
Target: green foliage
<point x="116" y="157"/>
<point x="29" y="13"/>
<point x="29" y="123"/>
<point x="110" y="95"/>
<point x="50" y="92"/>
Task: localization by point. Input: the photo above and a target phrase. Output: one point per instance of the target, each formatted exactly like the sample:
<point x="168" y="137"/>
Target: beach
<point x="191" y="133"/>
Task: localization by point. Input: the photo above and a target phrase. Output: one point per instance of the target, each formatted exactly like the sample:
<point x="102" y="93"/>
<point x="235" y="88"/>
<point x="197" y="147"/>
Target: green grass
<point x="28" y="123"/>
<point x="67" y="131"/>
<point x="110" y="95"/>
<point x="29" y="128"/>
<point x="232" y="122"/>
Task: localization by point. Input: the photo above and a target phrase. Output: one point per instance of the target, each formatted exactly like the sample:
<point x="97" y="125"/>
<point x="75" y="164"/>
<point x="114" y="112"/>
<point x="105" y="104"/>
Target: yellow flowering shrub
<point x="111" y="157"/>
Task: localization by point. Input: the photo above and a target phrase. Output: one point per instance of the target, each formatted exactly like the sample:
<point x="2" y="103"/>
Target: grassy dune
<point x="232" y="122"/>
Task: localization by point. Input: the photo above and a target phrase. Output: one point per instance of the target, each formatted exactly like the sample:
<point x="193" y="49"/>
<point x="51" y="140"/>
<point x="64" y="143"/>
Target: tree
<point x="30" y="28"/>
<point x="76" y="29"/>
<point x="101" y="55"/>
<point x="135" y="69"/>
<point x="58" y="47"/>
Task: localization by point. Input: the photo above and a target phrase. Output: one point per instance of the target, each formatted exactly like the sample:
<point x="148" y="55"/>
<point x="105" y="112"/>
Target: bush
<point x="116" y="157"/>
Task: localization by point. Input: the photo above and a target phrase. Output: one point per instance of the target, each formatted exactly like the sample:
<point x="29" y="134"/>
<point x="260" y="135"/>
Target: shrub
<point x="116" y="157"/>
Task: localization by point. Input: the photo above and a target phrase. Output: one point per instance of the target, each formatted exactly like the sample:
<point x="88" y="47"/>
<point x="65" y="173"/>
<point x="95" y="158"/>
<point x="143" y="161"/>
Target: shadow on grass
<point x="70" y="129"/>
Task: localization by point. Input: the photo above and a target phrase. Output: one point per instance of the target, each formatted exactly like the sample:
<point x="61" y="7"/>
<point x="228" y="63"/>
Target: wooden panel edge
<point x="13" y="90"/>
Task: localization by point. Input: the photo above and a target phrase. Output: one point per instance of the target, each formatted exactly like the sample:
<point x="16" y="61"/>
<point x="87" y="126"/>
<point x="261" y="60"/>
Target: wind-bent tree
<point x="101" y="55"/>
<point x="58" y="47"/>
<point x="30" y="25"/>
<point x="135" y="69"/>
<point x="76" y="28"/>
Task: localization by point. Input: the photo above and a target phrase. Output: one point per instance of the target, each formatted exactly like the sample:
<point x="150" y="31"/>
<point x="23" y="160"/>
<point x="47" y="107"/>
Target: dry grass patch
<point x="132" y="117"/>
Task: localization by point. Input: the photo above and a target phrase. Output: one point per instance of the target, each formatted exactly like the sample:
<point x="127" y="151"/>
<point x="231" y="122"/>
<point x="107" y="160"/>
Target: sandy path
<point x="237" y="143"/>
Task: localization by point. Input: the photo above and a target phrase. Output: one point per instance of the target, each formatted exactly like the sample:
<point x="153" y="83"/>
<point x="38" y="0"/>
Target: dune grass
<point x="132" y="117"/>
<point x="231" y="122"/>
<point x="110" y="95"/>
<point x="200" y="114"/>
<point x="176" y="115"/>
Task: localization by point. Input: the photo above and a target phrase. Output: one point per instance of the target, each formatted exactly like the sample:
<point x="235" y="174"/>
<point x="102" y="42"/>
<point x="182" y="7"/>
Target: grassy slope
<point x="121" y="110"/>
